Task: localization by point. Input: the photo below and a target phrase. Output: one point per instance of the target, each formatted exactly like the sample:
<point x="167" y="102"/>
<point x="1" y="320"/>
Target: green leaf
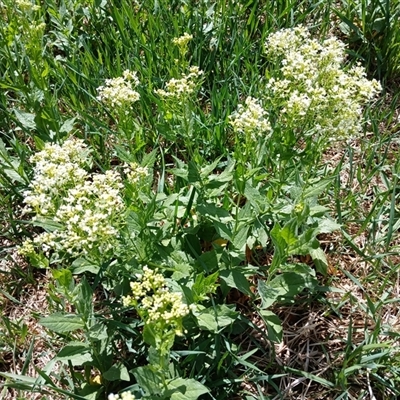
<point x="150" y="335"/>
<point x="204" y="286"/>
<point x="68" y="125"/>
<point x="208" y="261"/>
<point x="291" y="283"/>
<point x="84" y="299"/>
<point x="223" y="230"/>
<point x="81" y="265"/>
<point x="280" y="247"/>
<point x="316" y="189"/>
<point x="27" y="120"/>
<point x="117" y="372"/>
<point x="240" y="239"/>
<point x="320" y="261"/>
<point x="148" y="379"/>
<point x="235" y="278"/>
<point x="48" y="224"/>
<point x="186" y="389"/>
<point x="326" y="225"/>
<point x="76" y="353"/>
<point x="269" y="295"/>
<point x="63" y="277"/>
<point x="62" y="323"/>
<point x="206" y="171"/>
<point x="215" y="318"/>
<point x="274" y="326"/>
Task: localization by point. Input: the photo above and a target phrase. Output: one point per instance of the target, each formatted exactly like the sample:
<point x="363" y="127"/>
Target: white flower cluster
<point x="90" y="215"/>
<point x="313" y="90"/>
<point x="118" y="92"/>
<point x="57" y="168"/>
<point x="135" y="173"/>
<point x="183" y="40"/>
<point x="123" y="396"/>
<point x="154" y="302"/>
<point x="250" y="118"/>
<point x="26" y="5"/>
<point x="88" y="207"/>
<point x="184" y="87"/>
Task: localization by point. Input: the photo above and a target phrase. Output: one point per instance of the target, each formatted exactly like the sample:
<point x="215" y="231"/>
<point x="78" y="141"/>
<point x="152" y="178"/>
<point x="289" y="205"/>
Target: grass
<point x="285" y="246"/>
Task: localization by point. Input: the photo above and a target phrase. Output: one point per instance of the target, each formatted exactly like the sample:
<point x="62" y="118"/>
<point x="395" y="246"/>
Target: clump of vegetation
<point x="197" y="193"/>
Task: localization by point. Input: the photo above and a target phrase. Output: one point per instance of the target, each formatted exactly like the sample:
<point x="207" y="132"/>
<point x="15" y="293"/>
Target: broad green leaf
<point x="76" y="353"/>
<point x="326" y="225"/>
<point x="81" y="265"/>
<point x="117" y="372"/>
<point x="149" y="380"/>
<point x="203" y="286"/>
<point x="98" y="332"/>
<point x="68" y="125"/>
<point x="84" y="299"/>
<point x="215" y="318"/>
<point x="149" y="335"/>
<point x="280" y="247"/>
<point x="27" y="120"/>
<point x="210" y="209"/>
<point x="235" y="278"/>
<point x="269" y="295"/>
<point x="253" y="196"/>
<point x="208" y="261"/>
<point x="240" y="239"/>
<point x="274" y="326"/>
<point x="207" y="321"/>
<point x="206" y="171"/>
<point x="290" y="283"/>
<point x="63" y="277"/>
<point x="223" y="230"/>
<point x="186" y="389"/>
<point x="320" y="260"/>
<point x="288" y="234"/>
<point x="62" y="323"/>
<point x="316" y="189"/>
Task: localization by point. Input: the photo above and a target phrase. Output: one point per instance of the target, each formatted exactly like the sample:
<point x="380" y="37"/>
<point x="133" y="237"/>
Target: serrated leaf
<point x="62" y="323"/>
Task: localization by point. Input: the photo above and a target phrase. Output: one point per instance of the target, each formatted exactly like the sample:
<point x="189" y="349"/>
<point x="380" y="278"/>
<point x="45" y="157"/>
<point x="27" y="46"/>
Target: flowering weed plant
<point x="183" y="217"/>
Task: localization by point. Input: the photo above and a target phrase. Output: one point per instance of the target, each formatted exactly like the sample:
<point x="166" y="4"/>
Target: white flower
<point x="251" y="118"/>
<point x="313" y="89"/>
<point x="88" y="207"/>
<point x="118" y="92"/>
<point x="183" y="40"/>
<point x="152" y="296"/>
<point x="184" y="87"/>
